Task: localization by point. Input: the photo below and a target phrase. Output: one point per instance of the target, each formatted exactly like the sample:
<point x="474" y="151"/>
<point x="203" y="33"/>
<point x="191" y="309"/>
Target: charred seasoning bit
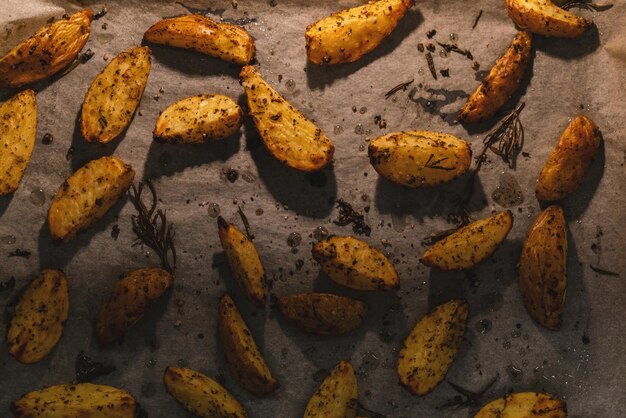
<point x="47" y="139"/>
<point x="105" y="26"/>
<point x="86" y="56"/>
<point x="101" y="13"/>
<point x="232" y="175"/>
<point x="88" y="370"/>
<point x="347" y="215"/>
<point x="246" y="224"/>
<point x="454" y="48"/>
<point x="401" y="86"/>
<point x="431" y="47"/>
<point x="445" y="72"/>
<point x="476" y="66"/>
<point x="431" y="33"/>
<point x="431" y="65"/>
<point x="68" y="154"/>
<point x="420" y="47"/>
<point x="20" y="253"/>
<point x="478" y="16"/>
<point x="378" y="120"/>
<point x="115" y="231"/>
<point x="7" y="284"/>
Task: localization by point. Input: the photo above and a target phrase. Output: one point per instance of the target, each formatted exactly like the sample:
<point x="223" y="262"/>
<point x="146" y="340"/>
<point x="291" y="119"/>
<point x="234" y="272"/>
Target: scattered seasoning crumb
<point x="586" y="339"/>
<point x="140" y="113"/>
<point x="280" y="78"/>
<point x="526" y="154"/>
<point x="420" y="47"/>
<point x="20" y="253"/>
<point x="378" y="120"/>
<point x="347" y="215"/>
<point x="234" y="3"/>
<point x="86" y="56"/>
<point x="106" y="57"/>
<point x="115" y="231"/>
<point x="7" y="284"/>
<point x="431" y="47"/>
<point x="476" y="66"/>
<point x="354" y="109"/>
<point x="156" y="97"/>
<point x="454" y="48"/>
<point x="68" y="154"/>
<point x="478" y="16"/>
<point x="431" y="33"/>
<point x="431" y="65"/>
<point x="445" y="72"/>
<point x="178" y="323"/>
<point x="161" y="90"/>
<point x="105" y="25"/>
<point x="47" y="139"/>
<point x="101" y="13"/>
<point x="232" y="175"/>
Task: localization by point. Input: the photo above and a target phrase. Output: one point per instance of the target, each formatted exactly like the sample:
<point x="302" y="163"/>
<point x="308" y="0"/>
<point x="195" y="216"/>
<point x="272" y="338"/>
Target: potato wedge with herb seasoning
<point x="432" y="346"/>
<point x="337" y="395"/>
<point x="200" y="394"/>
<point x="465" y="248"/>
<point x="502" y="81"/>
<point x="524" y="405"/>
<point x="114" y="95"/>
<point x="354" y="263"/>
<point x="82" y="400"/>
<point x="228" y="42"/>
<point x="565" y="169"/>
<point x="87" y="195"/>
<point x="18" y="130"/>
<point x="543" y="268"/>
<point x="287" y="134"/>
<point x="347" y="35"/>
<point x="243" y="357"/>
<point x="543" y="17"/>
<point x="419" y="158"/>
<point x="39" y="318"/>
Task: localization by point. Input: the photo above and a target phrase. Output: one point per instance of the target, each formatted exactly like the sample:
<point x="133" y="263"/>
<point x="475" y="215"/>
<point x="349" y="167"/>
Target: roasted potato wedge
<point x="419" y="158"/>
<point x="220" y="40"/>
<point x="323" y="313"/>
<point x="501" y="82"/>
<point x="431" y="347"/>
<point x="337" y="395"/>
<point x="114" y="95"/>
<point x="524" y="405"/>
<point x="39" y="318"/>
<point x="543" y="268"/>
<point x="83" y="400"/>
<point x="243" y="357"/>
<point x="197" y="119"/>
<point x="18" y="129"/>
<point x="201" y="395"/>
<point x="347" y="35"/>
<point x="288" y="135"/>
<point x="87" y="195"/>
<point x="47" y="52"/>
<point x="568" y="163"/>
<point x="354" y="263"/>
<point x="543" y="17"/>
<point x="470" y="245"/>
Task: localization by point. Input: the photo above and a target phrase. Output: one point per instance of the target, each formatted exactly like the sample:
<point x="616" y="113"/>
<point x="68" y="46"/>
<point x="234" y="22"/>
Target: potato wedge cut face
<point x="114" y="95"/>
<point x="337" y="395"/>
<point x="524" y="405"/>
<point x="546" y="18"/>
<point x="87" y="195"/>
<point x="18" y="130"/>
<point x="419" y="158"/>
<point x="287" y="134"/>
<point x="432" y="346"/>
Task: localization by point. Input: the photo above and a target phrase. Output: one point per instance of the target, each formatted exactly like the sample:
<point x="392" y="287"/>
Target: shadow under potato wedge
<point x="337" y="395"/>
<point x="543" y="17"/>
<point x="524" y="405"/>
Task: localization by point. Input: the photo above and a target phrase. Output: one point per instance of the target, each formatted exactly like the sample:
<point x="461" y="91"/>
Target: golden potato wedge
<point x="347" y="35"/>
<point x="288" y="135"/>
<point x="543" y="17"/>
<point x="337" y="395"/>
<point x="220" y="40"/>
<point x="197" y="119"/>
<point x="87" y="195"/>
<point x="323" y="313"/>
<point x="82" y="400"/>
<point x="201" y="395"/>
<point x="18" y="129"/>
<point x="524" y="405"/>
<point x="419" y="158"/>
<point x="470" y="245"/>
<point x="243" y="357"/>
<point x="47" y="52"/>
<point x="39" y="318"/>
<point x="354" y="263"/>
<point x="568" y="163"/>
<point x="501" y="82"/>
<point x="114" y="95"/>
<point x="543" y="268"/>
<point x="132" y="296"/>
<point x="431" y="347"/>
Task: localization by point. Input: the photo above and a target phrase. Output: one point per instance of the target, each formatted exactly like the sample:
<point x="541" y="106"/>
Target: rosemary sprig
<point x="401" y="86"/>
<point x="435" y="164"/>
<point x="506" y="141"/>
<point x="586" y="4"/>
<point x="455" y="48"/>
<point x="602" y="271"/>
<point x="246" y="224"/>
<point x="431" y="65"/>
<point x="478" y="16"/>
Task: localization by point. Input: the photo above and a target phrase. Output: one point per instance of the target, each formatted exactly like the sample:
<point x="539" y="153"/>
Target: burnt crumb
<point x="347" y="215"/>
<point x="431" y="47"/>
<point x="88" y="370"/>
<point x="431" y="33"/>
<point x="232" y="175"/>
<point x="280" y="78"/>
<point x="299" y="264"/>
<point x="68" y="154"/>
<point x="454" y="48"/>
<point x="101" y="13"/>
<point x="354" y="109"/>
<point x="47" y="139"/>
<point x="420" y="47"/>
<point x="445" y="72"/>
<point x="200" y="336"/>
<point x="380" y="122"/>
<point x="20" y="253"/>
<point x="115" y="231"/>
<point x="586" y="339"/>
<point x="7" y="284"/>
<point x="316" y="179"/>
<point x="525" y="154"/>
<point x="105" y="26"/>
<point x="476" y="66"/>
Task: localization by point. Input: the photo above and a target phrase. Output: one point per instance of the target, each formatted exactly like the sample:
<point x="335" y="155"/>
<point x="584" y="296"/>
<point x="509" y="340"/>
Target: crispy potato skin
<point x="337" y="395"/>
<point x="354" y="263"/>
<point x="543" y="268"/>
<point x="114" y="95"/>
<point x="220" y="40"/>
<point x="431" y="347"/>
<point x="200" y="394"/>
<point x="470" y="245"/>
<point x="347" y="35"/>
<point x="546" y="18"/>
<point x="287" y="134"/>
<point x="419" y="158"/>
<point x="83" y="400"/>
<point x="524" y="405"/>
<point x="568" y="163"/>
<point x="243" y="357"/>
<point x="198" y="119"/>
<point x="132" y="296"/>
<point x="47" y="52"/>
<point x="244" y="262"/>
<point x="501" y="82"/>
<point x="18" y="130"/>
<point x="39" y="318"/>
<point x="87" y="195"/>
<point x="322" y="313"/>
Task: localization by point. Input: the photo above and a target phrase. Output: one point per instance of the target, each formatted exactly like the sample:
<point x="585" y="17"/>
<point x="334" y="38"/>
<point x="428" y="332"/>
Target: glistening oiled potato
<point x="524" y="405"/>
<point x="431" y="347"/>
<point x="501" y="82"/>
<point x="419" y="158"/>
<point x="543" y="17"/>
<point x="337" y="395"/>
<point x="347" y="35"/>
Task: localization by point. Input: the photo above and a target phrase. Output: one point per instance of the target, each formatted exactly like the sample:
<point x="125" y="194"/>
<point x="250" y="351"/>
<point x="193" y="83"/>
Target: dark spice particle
<point x="401" y="86"/>
<point x="431" y="33"/>
<point x="115" y="231"/>
<point x="88" y="370"/>
<point x="445" y="72"/>
<point x="47" y="139"/>
<point x="603" y="272"/>
<point x="454" y="48"/>
<point x="101" y="13"/>
<point x="232" y="175"/>
<point x="476" y="66"/>
<point x="420" y="47"/>
<point x="380" y="122"/>
<point x="105" y="26"/>
<point x="20" y="253"/>
<point x="68" y="154"/>
<point x="431" y="47"/>
<point x="347" y="215"/>
<point x="478" y="16"/>
<point x="431" y="65"/>
<point x="7" y="284"/>
<point x="586" y="340"/>
<point x="436" y="164"/>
